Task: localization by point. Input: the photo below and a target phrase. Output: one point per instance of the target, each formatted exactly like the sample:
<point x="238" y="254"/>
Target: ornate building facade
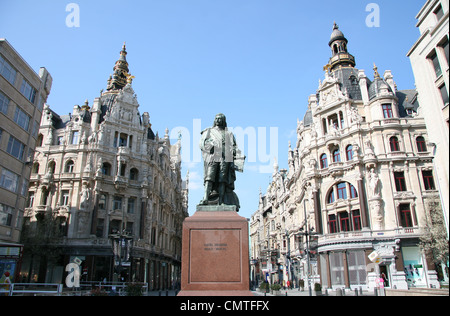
<point x="360" y="179"/>
<point x="106" y="190"/>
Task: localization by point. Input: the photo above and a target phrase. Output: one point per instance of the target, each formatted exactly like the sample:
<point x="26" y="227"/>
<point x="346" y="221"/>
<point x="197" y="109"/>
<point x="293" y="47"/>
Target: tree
<point x="434" y="238"/>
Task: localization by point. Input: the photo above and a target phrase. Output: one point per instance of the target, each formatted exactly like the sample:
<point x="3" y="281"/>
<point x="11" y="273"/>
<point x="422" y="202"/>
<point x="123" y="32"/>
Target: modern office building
<point x="23" y="93"/>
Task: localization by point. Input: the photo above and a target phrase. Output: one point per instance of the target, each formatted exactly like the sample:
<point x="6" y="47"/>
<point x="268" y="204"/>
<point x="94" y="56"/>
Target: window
<point x="323" y="161"/>
<point x="65" y="198"/>
<point x="22" y="119"/>
<point x="400" y="183"/>
<point x="131" y="205"/>
<point x="349" y="152"/>
<point x="75" y="137"/>
<point x="444" y="94"/>
<point x="387" y="111"/>
<point x="342" y="191"/>
<point x="421" y="145"/>
<point x="123" y="168"/>
<point x="69" y="166"/>
<point x="332" y="224"/>
<point x="102" y="202"/>
<point x="344" y="221"/>
<point x="7" y="71"/>
<point x="28" y="91"/>
<point x="393" y="141"/>
<point x="4" y="103"/>
<point x="9" y="180"/>
<point x="134" y="174"/>
<point x="445" y="48"/>
<point x="435" y="61"/>
<point x="6" y="213"/>
<point x="106" y="169"/>
<point x="60" y="140"/>
<point x="30" y="200"/>
<point x="117" y="203"/>
<point x="428" y="180"/>
<point x="336" y="156"/>
<point x="330" y="198"/>
<point x="356" y="220"/>
<point x="353" y="193"/>
<point x="439" y="12"/>
<point x="15" y="148"/>
<point x="405" y="216"/>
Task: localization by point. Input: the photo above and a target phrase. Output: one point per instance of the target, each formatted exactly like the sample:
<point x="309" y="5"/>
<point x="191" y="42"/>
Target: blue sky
<point x="257" y="61"/>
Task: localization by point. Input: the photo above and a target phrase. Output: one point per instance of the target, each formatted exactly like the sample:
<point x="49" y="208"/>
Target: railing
<point x="35" y="289"/>
<point x="111" y="288"/>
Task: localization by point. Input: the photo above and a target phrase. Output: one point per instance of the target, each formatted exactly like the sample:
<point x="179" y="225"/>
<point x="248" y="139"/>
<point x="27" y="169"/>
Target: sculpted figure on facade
<point x="374" y="183"/>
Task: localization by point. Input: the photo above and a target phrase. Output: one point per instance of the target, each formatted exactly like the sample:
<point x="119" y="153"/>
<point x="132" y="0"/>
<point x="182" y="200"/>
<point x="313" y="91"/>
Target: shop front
<point x="10" y="261"/>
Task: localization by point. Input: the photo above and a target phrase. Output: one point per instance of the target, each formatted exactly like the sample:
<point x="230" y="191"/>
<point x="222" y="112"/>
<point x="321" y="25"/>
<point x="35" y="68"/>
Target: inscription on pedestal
<point x="215" y="255"/>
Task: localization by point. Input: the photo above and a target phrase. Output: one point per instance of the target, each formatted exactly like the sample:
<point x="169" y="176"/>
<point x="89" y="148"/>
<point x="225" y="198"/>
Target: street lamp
<point x="307" y="233"/>
<point x="121" y="243"/>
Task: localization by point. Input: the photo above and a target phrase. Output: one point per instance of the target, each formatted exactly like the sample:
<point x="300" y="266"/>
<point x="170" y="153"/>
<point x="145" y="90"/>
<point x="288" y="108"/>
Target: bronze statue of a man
<point x="222" y="159"/>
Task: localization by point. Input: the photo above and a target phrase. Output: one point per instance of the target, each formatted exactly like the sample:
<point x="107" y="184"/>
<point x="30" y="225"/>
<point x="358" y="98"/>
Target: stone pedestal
<point x="215" y="254"/>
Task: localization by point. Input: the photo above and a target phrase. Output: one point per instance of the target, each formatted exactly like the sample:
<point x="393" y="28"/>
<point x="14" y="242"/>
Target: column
<point x="328" y="269"/>
<point x="346" y="276"/>
<point x="318" y="212"/>
<point x="362" y="203"/>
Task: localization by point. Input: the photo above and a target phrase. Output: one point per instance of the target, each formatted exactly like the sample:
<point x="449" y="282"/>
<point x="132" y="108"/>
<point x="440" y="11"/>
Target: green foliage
<point x="275" y="287"/>
<point x="134" y="289"/>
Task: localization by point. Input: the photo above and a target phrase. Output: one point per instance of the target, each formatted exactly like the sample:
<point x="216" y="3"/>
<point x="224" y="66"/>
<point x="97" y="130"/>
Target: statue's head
<point x="220" y="120"/>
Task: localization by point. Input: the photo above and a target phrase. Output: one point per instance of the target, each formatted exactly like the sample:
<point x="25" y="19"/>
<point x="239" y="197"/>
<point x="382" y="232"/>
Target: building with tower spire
<point x="360" y="180"/>
<point x="106" y="190"/>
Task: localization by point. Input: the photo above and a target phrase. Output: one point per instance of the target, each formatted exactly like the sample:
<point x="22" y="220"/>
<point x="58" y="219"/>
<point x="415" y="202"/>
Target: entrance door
<point x="384" y="273"/>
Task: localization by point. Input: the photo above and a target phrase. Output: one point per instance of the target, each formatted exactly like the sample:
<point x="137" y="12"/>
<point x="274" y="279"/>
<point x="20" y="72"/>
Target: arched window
<point x="35" y="169"/>
<point x="421" y="145"/>
<point x="40" y="140"/>
<point x="323" y="161"/>
<point x="349" y="152"/>
<point x="69" y="167"/>
<point x="353" y="193"/>
<point x="134" y="173"/>
<point x="344" y="191"/>
<point x="336" y="155"/>
<point x="393" y="141"/>
<point x="330" y="198"/>
<point x="51" y="167"/>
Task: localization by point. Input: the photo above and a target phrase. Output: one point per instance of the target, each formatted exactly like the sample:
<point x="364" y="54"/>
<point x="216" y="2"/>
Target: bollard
<point x="338" y="292"/>
<point x="375" y="291"/>
<point x="167" y="292"/>
<point x="360" y="291"/>
<point x="356" y="292"/>
<point x="326" y="292"/>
